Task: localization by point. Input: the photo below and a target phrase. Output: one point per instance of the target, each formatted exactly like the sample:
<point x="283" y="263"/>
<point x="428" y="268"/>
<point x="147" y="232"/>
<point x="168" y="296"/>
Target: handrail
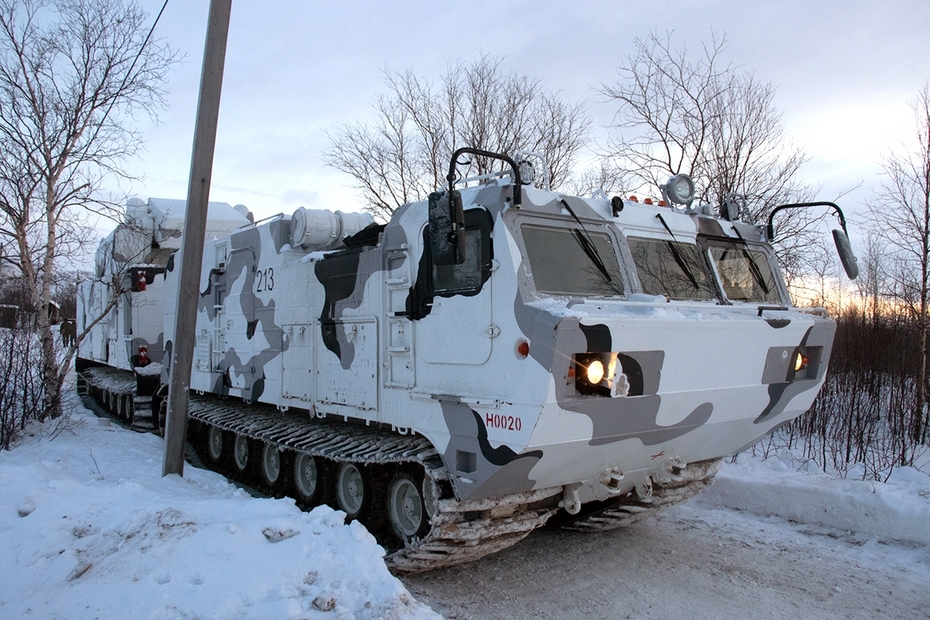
<point x="518" y="182"/>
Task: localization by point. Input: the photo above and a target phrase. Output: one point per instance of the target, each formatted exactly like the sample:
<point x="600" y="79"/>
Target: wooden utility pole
<point x="195" y="225"/>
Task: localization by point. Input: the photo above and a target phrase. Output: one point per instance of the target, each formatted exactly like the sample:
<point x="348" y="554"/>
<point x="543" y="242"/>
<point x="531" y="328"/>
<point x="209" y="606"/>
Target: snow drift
<point x="89" y="529"/>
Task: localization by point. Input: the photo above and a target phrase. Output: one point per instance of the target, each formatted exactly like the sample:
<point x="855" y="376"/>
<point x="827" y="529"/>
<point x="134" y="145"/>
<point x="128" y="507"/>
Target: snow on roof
<point x="169" y="213"/>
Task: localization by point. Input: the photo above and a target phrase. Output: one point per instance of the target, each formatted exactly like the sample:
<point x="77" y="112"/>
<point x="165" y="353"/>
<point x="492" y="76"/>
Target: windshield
<point x="566" y="261"/>
<point x="745" y="274"/>
<point x="670" y="268"/>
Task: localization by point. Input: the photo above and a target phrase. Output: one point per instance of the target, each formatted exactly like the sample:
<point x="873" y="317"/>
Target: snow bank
<point x="89" y="528"/>
<point x="898" y="510"/>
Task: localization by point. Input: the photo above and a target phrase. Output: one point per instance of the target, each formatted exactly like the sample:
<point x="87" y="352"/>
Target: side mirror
<point x="850" y="264"/>
<point x="446" y="228"/>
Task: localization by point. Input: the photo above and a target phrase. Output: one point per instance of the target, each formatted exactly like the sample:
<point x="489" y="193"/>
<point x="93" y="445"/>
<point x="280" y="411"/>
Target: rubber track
<point x="460" y="531"/>
<point x="110" y="379"/>
<point x="674" y="487"/>
<point x="119" y="383"/>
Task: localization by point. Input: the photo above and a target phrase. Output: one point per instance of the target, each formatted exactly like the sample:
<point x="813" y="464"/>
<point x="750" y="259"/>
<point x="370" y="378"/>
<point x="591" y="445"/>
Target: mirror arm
<point x="840" y="238"/>
<point x="770" y="228"/>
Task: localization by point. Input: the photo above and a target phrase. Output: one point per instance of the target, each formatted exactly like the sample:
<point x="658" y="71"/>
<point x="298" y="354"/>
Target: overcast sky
<point x="845" y="72"/>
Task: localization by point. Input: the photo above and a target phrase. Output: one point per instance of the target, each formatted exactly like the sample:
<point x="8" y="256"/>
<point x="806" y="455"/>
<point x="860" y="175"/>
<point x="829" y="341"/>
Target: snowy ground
<point x="89" y="529"/>
<point x="723" y="555"/>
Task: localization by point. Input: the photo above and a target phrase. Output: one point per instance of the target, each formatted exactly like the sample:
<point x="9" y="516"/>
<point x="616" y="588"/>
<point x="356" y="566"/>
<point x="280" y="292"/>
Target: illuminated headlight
<point x="594" y="373"/>
<point x="679" y="189"/>
<point x="790" y="364"/>
<point x="804" y="363"/>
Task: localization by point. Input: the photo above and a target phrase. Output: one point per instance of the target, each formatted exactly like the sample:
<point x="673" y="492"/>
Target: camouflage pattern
<point x="486" y="367"/>
<point x="130" y="264"/>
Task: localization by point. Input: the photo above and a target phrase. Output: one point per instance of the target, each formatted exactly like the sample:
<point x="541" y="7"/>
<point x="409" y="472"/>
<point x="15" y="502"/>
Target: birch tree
<point x="73" y="74"/>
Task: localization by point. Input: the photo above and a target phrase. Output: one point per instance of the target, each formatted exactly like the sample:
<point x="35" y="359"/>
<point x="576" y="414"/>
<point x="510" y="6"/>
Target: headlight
<point x="804" y="363"/>
<point x="594" y="372"/>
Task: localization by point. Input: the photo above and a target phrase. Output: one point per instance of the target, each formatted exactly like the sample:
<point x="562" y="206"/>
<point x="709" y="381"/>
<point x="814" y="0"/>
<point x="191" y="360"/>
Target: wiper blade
<point x="676" y="254"/>
<point x="753" y="267"/>
<point x="683" y="265"/>
<point x="587" y="244"/>
<point x="592" y="253"/>
<point x="756" y="272"/>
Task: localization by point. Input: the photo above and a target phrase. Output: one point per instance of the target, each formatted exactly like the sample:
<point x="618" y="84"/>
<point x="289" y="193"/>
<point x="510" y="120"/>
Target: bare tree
<point x="873" y="284"/>
<point x="685" y="112"/>
<point x="713" y="122"/>
<point x="72" y="75"/>
<point x="901" y="217"/>
<point x="405" y="154"/>
<point x="604" y="176"/>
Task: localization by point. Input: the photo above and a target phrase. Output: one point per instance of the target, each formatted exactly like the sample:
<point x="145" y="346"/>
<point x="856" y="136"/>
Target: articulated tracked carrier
<point x="492" y="358"/>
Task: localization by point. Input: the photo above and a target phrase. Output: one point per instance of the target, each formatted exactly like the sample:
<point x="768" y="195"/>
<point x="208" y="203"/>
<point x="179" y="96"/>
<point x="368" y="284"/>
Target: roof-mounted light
<point x="679" y="190"/>
<point x="527" y="171"/>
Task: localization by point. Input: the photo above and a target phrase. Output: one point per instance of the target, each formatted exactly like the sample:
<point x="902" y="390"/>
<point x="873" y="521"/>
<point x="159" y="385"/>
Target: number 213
<point x="265" y="280"/>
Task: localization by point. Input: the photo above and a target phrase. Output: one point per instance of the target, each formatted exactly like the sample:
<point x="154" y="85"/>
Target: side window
<point x="670" y="268"/>
<point x="464" y="277"/>
<point x="745" y="274"/>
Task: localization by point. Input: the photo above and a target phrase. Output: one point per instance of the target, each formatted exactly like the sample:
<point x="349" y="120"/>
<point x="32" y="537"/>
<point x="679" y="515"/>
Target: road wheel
<point x="406" y="510"/>
<point x="214" y="444"/>
<point x="306" y="478"/>
<point x="351" y="491"/>
<point x="271" y="464"/>
<point x="241" y="453"/>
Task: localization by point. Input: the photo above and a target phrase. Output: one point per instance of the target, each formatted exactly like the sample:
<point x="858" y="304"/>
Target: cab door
<point x="452" y="303"/>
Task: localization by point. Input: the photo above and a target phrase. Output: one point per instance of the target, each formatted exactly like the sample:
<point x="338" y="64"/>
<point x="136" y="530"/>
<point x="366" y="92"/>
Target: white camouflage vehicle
<point x="481" y="364"/>
<point x="127" y="294"/>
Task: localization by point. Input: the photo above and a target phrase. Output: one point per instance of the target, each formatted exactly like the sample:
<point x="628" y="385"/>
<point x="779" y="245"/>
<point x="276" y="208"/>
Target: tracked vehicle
<point x="122" y="308"/>
<point x="494" y="357"/>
